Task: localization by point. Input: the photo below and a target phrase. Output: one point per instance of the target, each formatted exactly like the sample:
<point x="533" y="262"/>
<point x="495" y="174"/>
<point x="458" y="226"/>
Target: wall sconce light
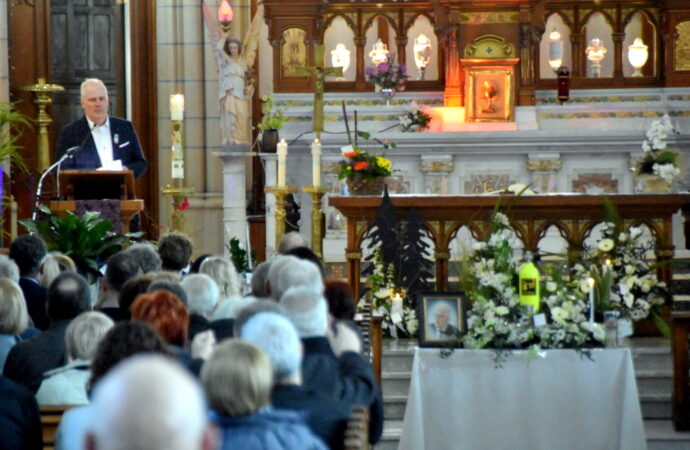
<point x="422" y="54"/>
<point x="379" y="53"/>
<point x="225" y="15"/>
<point x="637" y="55"/>
<point x="555" y="50"/>
<point x="340" y="57"/>
<point x="596" y="52"/>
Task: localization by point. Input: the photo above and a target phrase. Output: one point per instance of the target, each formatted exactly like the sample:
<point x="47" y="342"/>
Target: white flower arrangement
<point x="397" y="322"/>
<point x="496" y="319"/>
<point x="657" y="159"/>
<point x="618" y="262"/>
<point x="415" y="120"/>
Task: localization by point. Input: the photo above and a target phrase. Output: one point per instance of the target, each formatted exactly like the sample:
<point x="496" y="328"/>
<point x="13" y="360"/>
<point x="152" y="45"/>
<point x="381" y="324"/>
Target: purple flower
<point x="383" y="67"/>
<point x="403" y="69"/>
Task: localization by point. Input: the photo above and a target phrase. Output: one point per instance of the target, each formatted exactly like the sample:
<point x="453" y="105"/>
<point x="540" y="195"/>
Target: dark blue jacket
<point x="327" y="418"/>
<point x="36" y="297"/>
<point x="266" y="429"/>
<point x="349" y="379"/>
<point x="28" y="360"/>
<point x="126" y="146"/>
<point x="20" y="421"/>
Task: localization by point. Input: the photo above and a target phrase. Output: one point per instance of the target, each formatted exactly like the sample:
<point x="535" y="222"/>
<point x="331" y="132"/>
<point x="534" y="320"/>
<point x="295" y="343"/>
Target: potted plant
<point x="11" y="123"/>
<point x="87" y="239"/>
<point x="271" y="121"/>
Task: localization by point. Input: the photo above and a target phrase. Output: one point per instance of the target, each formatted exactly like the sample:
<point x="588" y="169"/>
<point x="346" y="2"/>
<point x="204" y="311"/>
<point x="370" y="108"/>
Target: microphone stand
<point x="39" y="189"/>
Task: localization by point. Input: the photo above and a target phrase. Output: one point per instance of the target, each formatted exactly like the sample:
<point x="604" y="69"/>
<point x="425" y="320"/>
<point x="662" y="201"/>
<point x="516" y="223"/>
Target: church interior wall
<point x="4" y="66"/>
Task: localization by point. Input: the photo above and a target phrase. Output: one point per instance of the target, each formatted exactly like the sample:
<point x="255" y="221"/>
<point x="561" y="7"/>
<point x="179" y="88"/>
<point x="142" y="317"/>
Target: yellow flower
<point x="384" y="163"/>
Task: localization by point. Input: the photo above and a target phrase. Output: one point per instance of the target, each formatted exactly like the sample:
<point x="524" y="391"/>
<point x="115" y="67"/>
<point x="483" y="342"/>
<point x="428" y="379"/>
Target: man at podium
<point x="98" y="141"/>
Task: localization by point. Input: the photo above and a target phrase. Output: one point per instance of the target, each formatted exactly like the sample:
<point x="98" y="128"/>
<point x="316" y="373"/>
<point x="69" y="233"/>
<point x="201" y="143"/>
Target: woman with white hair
<point x="66" y="385"/>
<point x="238" y="379"/>
<point x="224" y="274"/>
<point x="14" y="317"/>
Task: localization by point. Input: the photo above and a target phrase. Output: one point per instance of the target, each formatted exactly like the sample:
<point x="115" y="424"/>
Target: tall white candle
<point x="591" y="299"/>
<point x="176" y="106"/>
<point x="282" y="156"/>
<point x="316" y="162"/>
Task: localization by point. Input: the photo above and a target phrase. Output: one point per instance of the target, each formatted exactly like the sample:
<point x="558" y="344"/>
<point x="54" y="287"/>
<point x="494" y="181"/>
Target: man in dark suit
<point x="68" y="296"/>
<point x="29" y="252"/>
<point x="102" y="140"/>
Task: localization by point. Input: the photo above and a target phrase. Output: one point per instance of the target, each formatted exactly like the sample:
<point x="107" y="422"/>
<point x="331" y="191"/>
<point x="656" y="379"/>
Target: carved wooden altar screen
<point x="530" y="216"/>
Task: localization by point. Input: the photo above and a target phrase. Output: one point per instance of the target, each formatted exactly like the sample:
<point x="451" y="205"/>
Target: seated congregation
<point x="171" y="353"/>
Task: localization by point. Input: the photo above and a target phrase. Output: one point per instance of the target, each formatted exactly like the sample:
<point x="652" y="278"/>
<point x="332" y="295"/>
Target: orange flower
<point x="350" y="154"/>
<point x="361" y="165"/>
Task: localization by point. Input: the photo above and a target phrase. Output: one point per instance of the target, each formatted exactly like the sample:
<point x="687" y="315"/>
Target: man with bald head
<point x="149" y="402"/>
<point x="99" y="140"/>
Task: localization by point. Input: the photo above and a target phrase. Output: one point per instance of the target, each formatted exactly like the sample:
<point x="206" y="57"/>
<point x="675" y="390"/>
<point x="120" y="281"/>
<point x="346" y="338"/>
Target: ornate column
<point x="544" y="168"/>
<point x="618" y="55"/>
<point x="436" y="170"/>
<point x="360" y="81"/>
<point x="234" y="159"/>
<point x="270" y="161"/>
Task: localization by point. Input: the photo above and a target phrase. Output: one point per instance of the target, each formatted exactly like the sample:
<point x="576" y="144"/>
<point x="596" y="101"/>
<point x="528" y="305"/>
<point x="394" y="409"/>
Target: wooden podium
<point x="78" y="185"/>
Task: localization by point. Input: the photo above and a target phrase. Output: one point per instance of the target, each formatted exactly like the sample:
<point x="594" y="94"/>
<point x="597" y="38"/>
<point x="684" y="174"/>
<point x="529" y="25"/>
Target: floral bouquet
<point x="399" y="319"/>
<point x="626" y="282"/>
<point x="415" y="120"/>
<point x="657" y="160"/>
<point x="496" y="319"/>
<point x="388" y="74"/>
<point x="359" y="163"/>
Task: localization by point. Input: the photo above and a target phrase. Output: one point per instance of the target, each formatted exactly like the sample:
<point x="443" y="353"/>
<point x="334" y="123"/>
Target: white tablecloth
<point x="559" y="400"/>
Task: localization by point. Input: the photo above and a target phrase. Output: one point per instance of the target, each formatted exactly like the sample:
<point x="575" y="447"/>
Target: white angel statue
<point x="235" y="83"/>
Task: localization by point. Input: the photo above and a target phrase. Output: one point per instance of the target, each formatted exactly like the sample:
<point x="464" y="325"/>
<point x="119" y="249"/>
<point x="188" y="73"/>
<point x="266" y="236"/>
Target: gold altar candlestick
<point x="179" y="194"/>
<point x="316" y="193"/>
<point x="280" y="193"/>
<point x="42" y="91"/>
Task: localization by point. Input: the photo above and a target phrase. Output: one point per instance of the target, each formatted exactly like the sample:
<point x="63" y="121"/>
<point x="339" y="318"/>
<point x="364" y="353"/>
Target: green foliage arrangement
<point x="272" y="117"/>
<point x="88" y="240"/>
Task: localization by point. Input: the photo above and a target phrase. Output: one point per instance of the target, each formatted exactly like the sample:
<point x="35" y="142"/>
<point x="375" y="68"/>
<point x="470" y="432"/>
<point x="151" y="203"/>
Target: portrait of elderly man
<point x="443" y="320"/>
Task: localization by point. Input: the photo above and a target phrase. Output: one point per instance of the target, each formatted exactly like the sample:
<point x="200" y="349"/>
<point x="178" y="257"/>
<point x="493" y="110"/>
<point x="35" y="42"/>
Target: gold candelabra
<point x="178" y="192"/>
<point x="280" y="193"/>
<point x="316" y="193"/>
<point x="42" y="91"/>
<point x="179" y="201"/>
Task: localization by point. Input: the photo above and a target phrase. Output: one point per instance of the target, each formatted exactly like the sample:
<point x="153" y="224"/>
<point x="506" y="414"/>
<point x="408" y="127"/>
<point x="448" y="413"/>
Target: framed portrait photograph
<point x="442" y="318"/>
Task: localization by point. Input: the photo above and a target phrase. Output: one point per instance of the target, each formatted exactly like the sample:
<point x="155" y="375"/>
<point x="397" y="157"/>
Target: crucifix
<point x="319" y="72"/>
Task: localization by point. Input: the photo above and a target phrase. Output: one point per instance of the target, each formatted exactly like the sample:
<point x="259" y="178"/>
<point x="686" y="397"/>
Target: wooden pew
<point x="357" y="432"/>
<point x="50" y="419"/>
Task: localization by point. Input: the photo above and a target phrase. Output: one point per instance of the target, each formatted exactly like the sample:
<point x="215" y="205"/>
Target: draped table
<point x="556" y="399"/>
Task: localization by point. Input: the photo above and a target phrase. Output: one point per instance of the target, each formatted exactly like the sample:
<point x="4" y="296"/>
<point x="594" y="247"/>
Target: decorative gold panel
<point x="544" y="165"/>
<point x="483" y="18"/>
<point x="490" y="46"/>
<point x="293" y="51"/>
<point x="681" y="46"/>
